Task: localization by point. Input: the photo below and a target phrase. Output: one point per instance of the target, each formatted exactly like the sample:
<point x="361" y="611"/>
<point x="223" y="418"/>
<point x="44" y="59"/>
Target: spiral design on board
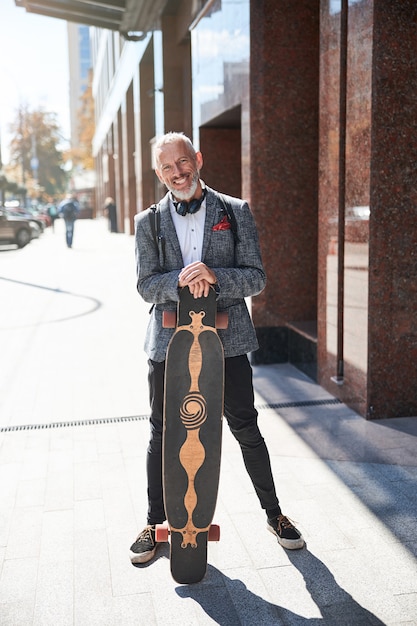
<point x="193" y="411"/>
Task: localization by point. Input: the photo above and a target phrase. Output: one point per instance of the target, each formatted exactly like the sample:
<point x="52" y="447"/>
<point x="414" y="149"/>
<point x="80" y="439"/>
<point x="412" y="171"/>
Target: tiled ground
<point x="73" y="496"/>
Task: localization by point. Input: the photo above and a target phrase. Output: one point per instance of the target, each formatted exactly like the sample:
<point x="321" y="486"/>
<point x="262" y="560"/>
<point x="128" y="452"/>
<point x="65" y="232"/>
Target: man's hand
<point x="198" y="277"/>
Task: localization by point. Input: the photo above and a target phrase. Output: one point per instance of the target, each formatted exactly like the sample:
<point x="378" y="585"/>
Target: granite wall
<point x="284" y="165"/>
<point x="392" y="371"/>
<point x="367" y="342"/>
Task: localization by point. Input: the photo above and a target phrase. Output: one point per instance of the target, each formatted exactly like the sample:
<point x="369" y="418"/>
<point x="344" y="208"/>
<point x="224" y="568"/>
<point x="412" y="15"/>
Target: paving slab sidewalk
<point x="73" y="417"/>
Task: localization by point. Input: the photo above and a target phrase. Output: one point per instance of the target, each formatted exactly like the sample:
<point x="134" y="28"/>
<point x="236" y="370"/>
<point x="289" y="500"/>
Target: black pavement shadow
<point x="218" y="595"/>
<point x="228" y="602"/>
<point x="375" y="459"/>
<point x="93" y="303"/>
<point x="336" y="605"/>
<point x="335" y="431"/>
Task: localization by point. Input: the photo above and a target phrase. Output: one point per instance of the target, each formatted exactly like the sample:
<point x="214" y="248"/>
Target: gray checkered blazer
<point x="237" y="264"/>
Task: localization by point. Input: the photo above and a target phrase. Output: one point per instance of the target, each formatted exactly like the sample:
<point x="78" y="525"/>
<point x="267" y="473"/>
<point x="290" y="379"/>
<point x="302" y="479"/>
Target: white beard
<point x="187" y="194"/>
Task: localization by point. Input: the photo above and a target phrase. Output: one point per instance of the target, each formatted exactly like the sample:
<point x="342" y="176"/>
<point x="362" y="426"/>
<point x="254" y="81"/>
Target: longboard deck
<point x="194" y="378"/>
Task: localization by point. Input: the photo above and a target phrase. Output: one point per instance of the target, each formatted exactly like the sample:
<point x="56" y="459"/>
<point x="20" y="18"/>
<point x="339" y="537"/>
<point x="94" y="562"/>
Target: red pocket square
<point x="224" y="224"/>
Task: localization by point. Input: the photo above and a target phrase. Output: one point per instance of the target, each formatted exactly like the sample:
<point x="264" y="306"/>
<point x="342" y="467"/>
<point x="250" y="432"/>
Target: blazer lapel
<point x="168" y="229"/>
<point x="212" y="217"/>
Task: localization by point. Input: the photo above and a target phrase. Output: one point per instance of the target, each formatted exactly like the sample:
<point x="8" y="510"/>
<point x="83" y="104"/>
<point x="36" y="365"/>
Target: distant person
<point x="53" y="213"/>
<point x="111" y="213"/>
<point x="69" y="209"/>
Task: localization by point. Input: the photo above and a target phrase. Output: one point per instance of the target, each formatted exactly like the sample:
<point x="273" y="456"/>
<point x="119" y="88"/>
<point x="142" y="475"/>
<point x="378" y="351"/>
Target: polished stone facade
<point x="306" y="109"/>
<point x="376" y="311"/>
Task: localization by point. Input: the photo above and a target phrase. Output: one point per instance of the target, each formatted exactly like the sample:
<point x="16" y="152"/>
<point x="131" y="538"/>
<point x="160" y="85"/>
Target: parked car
<point x="17" y="230"/>
<point x="30" y="214"/>
<point x="40" y="212"/>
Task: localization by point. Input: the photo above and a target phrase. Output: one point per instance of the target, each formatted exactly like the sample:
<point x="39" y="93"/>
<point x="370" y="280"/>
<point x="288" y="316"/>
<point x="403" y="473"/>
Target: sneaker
<point x="144" y="547"/>
<point x="287" y="534"/>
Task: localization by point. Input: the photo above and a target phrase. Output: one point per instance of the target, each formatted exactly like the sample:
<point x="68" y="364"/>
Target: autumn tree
<point x="35" y="157"/>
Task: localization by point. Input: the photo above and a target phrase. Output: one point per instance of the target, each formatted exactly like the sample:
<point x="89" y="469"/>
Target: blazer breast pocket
<point x="221" y="251"/>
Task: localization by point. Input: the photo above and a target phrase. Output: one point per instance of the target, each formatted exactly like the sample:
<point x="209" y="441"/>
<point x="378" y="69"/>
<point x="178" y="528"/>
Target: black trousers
<point x="242" y="419"/>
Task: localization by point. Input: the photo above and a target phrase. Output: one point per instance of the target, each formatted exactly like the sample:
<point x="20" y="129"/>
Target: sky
<point x="33" y="67"/>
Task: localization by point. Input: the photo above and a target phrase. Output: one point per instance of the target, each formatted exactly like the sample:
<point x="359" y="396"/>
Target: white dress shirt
<point x="190" y="232"/>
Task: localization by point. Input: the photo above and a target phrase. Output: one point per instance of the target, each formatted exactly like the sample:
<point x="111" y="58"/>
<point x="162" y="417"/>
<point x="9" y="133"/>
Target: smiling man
<point x="178" y="168"/>
<point x="201" y="243"/>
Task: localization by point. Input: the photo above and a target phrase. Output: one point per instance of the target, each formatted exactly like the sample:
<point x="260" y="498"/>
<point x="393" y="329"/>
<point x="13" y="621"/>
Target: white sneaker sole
<point x="288" y="544"/>
<point x="143" y="557"/>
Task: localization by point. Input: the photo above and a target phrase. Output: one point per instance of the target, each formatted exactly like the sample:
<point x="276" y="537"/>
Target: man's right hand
<point x="198" y="277"/>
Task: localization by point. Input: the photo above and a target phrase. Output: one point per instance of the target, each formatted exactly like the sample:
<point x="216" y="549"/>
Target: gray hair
<point x="173" y="137"/>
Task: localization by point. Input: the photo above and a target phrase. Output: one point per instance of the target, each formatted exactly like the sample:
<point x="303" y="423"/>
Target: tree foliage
<point x="36" y="136"/>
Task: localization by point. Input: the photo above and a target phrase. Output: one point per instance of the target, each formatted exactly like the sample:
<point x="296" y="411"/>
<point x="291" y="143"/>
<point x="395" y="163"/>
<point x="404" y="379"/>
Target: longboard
<point x="193" y="409"/>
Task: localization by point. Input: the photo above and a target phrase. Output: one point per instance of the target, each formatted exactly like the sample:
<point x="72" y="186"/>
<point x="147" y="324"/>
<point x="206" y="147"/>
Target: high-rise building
<point x="79" y="55"/>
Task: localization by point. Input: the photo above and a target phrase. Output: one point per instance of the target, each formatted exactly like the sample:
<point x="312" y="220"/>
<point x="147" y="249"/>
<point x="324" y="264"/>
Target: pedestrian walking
<point x="69" y="209"/>
<point x="53" y="213"/>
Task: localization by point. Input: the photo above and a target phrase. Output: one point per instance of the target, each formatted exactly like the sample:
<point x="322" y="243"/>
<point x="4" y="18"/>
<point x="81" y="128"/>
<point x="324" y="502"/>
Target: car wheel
<point x="22" y="238"/>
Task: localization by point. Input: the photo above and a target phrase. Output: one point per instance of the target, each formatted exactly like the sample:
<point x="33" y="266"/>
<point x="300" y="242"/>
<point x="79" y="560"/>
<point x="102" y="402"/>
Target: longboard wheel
<point x="214" y="532"/>
<point x="169" y="319"/>
<point x="161" y="533"/>
<point x="222" y="319"/>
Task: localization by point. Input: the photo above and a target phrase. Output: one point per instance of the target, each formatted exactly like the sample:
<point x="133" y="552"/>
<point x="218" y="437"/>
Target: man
<point x="110" y="211"/>
<point x="53" y="213"/>
<point x="69" y="209"/>
<point x="196" y="247"/>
